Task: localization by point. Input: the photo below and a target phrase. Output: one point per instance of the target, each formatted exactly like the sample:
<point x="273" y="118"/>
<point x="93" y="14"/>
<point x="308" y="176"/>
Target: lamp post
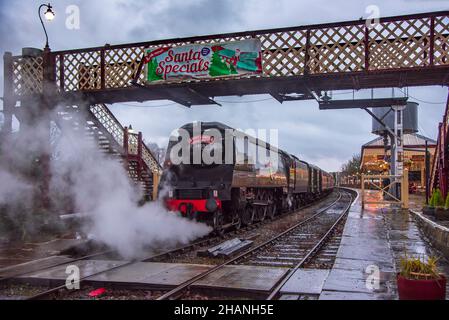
<point x="49" y="16"/>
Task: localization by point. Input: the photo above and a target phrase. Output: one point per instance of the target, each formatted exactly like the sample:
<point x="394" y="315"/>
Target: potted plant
<point x="430" y="208"/>
<point x="438" y="203"/>
<point x="420" y="280"/>
<point x="444" y="214"/>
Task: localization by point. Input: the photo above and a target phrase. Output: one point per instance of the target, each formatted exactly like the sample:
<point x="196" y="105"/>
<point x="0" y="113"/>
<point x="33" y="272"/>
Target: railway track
<point x="154" y="257"/>
<point x="290" y="248"/>
<point x="311" y="240"/>
<point x="232" y="233"/>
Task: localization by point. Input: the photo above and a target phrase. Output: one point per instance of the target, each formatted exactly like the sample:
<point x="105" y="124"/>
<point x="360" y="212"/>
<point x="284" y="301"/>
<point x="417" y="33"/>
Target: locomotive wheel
<point x="247" y="216"/>
<point x="271" y="212"/>
<point x="217" y="223"/>
<point x="237" y="221"/>
<point x="297" y="204"/>
<point x="261" y="213"/>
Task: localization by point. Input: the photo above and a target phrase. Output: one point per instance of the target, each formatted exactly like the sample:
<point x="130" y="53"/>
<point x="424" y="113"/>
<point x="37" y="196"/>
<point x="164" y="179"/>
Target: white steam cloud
<point x="100" y="188"/>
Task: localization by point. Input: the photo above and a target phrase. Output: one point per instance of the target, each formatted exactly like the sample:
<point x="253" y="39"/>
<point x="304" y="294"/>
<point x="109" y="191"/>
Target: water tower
<point x="410" y="119"/>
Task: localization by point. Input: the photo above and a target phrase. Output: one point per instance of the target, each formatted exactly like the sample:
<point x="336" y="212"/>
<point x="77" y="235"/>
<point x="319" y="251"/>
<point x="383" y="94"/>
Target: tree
<point x="352" y="167"/>
<point x="158" y="152"/>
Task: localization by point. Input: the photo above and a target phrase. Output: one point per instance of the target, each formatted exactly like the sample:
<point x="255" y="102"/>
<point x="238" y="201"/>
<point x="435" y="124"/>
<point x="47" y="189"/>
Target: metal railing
<point x="102" y="113"/>
<point x="376" y="182"/>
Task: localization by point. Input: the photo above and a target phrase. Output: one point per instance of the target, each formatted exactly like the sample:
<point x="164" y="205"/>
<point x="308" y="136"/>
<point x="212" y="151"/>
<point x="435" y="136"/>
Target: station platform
<point x="12" y="255"/>
<point x="252" y="280"/>
<point x="375" y="239"/>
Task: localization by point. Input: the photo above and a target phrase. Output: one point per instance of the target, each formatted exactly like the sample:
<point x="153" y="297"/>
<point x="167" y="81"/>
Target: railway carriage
<point x="241" y="180"/>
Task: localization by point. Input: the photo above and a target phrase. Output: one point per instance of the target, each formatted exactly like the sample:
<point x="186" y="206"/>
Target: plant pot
<point x="428" y="211"/>
<point x="439" y="212"/>
<point x="411" y="289"/>
<point x="442" y="215"/>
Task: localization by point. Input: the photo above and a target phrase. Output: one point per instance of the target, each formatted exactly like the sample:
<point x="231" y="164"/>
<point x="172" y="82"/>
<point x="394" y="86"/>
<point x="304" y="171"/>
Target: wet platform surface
<point x="13" y="255"/>
<point x="163" y="275"/>
<point x="374" y="240"/>
<point x="56" y="275"/>
<point x="305" y="282"/>
<point x="252" y="278"/>
<point x="32" y="266"/>
<point x="151" y="274"/>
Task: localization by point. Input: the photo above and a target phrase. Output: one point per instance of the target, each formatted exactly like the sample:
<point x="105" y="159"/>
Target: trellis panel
<point x="338" y="49"/>
<point x="27" y="75"/>
<point x="121" y="66"/>
<point x="441" y="53"/>
<point x="82" y="71"/>
<point x="400" y="44"/>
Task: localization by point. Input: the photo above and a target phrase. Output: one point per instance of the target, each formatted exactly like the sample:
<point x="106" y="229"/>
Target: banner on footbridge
<point x="204" y="60"/>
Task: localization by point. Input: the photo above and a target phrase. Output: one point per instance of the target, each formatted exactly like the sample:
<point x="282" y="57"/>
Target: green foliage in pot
<point x="446" y="203"/>
<point x="438" y="200"/>
<point x="432" y="200"/>
<point x="416" y="268"/>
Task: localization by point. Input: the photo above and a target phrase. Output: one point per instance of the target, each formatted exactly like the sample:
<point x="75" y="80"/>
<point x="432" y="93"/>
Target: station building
<point x="375" y="157"/>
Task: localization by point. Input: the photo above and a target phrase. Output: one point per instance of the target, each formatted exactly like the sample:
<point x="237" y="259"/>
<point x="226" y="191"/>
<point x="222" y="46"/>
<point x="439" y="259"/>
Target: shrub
<point x="417" y="268"/>
<point x="438" y="201"/>
<point x="446" y="204"/>
<point x="432" y="200"/>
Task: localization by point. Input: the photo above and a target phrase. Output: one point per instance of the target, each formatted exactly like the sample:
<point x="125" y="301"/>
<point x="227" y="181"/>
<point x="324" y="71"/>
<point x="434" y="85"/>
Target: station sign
<point x="204" y="61"/>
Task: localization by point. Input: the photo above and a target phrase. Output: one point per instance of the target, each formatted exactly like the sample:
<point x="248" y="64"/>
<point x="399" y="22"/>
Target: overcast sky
<point x="326" y="138"/>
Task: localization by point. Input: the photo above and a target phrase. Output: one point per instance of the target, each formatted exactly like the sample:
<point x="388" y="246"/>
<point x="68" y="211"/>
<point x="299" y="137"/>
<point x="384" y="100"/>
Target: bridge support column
<point x="8" y="102"/>
<point x="45" y="107"/>
<point x="404" y="191"/>
<point x="44" y="159"/>
<point x="8" y="109"/>
<point x="156" y="178"/>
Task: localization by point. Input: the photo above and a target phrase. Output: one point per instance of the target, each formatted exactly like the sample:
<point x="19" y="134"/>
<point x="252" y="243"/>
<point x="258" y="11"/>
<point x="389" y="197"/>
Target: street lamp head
<point x="49" y="14"/>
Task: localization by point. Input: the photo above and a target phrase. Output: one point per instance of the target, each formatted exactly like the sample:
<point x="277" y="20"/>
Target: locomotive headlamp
<point x="170" y="194"/>
<point x="215" y="193"/>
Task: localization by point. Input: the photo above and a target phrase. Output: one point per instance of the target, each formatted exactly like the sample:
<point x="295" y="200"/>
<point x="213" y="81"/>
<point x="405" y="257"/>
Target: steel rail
<point x="183" y="248"/>
<point x="176" y="291"/>
<point x="274" y="293"/>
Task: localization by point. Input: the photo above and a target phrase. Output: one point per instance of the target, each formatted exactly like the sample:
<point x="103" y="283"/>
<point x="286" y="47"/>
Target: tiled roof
<point x="410" y="140"/>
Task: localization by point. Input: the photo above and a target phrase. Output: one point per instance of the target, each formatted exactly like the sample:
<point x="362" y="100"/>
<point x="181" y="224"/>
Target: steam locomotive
<point x="248" y="181"/>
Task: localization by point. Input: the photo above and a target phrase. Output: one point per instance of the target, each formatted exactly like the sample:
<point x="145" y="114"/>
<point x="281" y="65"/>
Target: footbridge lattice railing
<point x="397" y="43"/>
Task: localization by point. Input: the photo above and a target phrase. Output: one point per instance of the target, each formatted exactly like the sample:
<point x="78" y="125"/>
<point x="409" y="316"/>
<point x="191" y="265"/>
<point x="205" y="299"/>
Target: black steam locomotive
<point x="226" y="177"/>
